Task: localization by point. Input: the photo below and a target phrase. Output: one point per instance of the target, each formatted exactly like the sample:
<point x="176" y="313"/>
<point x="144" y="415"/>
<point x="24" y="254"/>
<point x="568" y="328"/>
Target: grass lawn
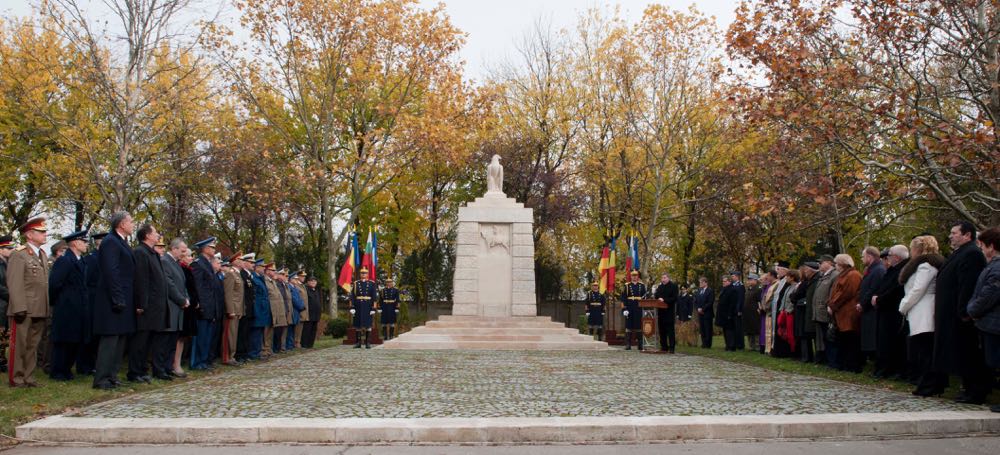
<point x="811" y="369"/>
<point x="18" y="406"/>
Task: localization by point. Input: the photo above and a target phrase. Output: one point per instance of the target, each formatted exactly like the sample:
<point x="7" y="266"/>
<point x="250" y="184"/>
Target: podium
<point x="650" y="329"/>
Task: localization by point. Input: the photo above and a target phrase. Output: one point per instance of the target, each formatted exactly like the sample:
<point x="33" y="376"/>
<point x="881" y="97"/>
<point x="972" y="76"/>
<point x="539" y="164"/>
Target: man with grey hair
<point x="890" y="346"/>
<point x="114" y="310"/>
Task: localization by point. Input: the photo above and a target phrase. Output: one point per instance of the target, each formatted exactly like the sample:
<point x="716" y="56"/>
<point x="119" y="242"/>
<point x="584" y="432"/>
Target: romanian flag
<point x="369" y="260"/>
<point x="632" y="255"/>
<point x="603" y="270"/>
<point x="346" y="278"/>
<point x="611" y="266"/>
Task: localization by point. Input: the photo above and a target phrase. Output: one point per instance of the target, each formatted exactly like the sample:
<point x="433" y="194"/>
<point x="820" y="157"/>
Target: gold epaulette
<point x="20" y="248"/>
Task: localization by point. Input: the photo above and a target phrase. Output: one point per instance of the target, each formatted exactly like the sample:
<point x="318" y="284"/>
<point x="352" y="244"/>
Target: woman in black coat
<point x="70" y="307"/>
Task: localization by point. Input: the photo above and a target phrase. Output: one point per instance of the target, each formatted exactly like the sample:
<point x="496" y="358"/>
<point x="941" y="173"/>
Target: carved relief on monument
<point x="496" y="239"/>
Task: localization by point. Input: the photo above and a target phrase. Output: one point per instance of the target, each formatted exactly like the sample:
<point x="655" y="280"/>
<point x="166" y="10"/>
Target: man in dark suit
<point x="86" y="357"/>
<point x="68" y="296"/>
<point x="246" y="322"/>
<point x="150" y="296"/>
<point x="685" y="304"/>
<point x="315" y="312"/>
<point x="726" y="316"/>
<point x="890" y="359"/>
<point x="956" y="340"/>
<point x="704" y="299"/>
<point x="741" y="292"/>
<point x="667" y="292"/>
<point x="208" y="286"/>
<point x="114" y="311"/>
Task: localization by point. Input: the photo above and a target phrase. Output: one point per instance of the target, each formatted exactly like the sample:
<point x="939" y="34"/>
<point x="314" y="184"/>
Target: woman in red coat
<point x="843" y="308"/>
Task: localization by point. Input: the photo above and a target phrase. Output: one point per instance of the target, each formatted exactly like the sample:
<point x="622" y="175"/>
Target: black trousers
<point x="977" y="378"/>
<point x="922" y="355"/>
<point x="890" y="348"/>
<point x="164" y="344"/>
<point x="110" y="350"/>
<point x="86" y="356"/>
<point x="243" y="338"/>
<point x="139" y="347"/>
<point x="63" y="356"/>
<point x="739" y="332"/>
<point x="849" y="351"/>
<point x="216" y="349"/>
<point x="731" y="337"/>
<point x="665" y="321"/>
<point x="309" y="334"/>
<point x="705" y="328"/>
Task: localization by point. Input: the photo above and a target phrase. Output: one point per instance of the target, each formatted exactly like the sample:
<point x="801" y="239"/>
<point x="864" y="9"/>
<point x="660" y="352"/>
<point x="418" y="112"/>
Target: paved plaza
<point x="343" y="382"/>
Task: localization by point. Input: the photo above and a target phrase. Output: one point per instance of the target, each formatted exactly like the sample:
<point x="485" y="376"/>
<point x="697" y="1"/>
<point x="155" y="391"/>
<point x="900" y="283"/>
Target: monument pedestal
<point x="495" y="260"/>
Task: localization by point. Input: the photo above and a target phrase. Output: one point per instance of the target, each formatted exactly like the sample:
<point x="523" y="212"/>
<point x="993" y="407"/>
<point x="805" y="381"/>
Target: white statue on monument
<point x="494" y="177"/>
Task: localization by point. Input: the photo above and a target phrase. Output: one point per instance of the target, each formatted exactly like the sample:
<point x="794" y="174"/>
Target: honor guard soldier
<point x="595" y="311"/>
<point x="28" y="305"/>
<point x="631" y="295"/>
<point x="363" y="300"/>
<point x="389" y="309"/>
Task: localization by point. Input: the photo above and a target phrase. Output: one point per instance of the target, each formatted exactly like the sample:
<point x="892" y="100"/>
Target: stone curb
<point x="61" y="429"/>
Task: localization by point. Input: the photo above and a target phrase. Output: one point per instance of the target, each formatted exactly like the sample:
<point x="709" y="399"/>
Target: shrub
<point x="337" y="328"/>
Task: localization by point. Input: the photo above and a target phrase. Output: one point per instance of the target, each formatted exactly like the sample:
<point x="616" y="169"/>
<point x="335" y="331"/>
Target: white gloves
<point x="625" y="312"/>
<point x="371" y="313"/>
<point x="379" y="311"/>
<point x="352" y="311"/>
<point x="397" y="310"/>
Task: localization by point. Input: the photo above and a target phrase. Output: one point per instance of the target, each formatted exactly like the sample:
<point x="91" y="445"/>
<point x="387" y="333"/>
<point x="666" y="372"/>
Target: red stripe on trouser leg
<point x="11" y="357"/>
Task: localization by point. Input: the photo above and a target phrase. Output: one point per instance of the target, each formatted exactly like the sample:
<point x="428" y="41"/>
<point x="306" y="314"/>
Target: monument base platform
<point x="495" y="333"/>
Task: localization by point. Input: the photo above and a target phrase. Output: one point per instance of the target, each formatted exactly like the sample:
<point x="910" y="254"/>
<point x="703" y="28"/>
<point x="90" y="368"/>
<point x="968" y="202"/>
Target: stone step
<point x="498" y="338"/>
<point x="496" y="324"/>
<point x="400" y="343"/>
<point x="496" y="333"/>
<point x="489" y="330"/>
<point x="531" y="430"/>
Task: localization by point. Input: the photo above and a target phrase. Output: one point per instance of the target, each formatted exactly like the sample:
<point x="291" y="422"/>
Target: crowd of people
<point x="916" y="315"/>
<point x="158" y="305"/>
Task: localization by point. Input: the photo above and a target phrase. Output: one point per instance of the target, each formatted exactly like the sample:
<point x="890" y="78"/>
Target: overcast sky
<point x="494" y="26"/>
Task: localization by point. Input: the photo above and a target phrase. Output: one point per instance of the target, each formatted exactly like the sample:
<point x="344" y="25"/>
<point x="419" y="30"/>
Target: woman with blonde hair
<point x="843" y="308"/>
<point x="919" y="278"/>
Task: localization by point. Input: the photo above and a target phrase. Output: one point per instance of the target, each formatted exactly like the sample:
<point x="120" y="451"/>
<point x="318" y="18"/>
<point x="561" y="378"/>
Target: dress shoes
<point x="104" y="386"/>
<point x="965" y="399"/>
<point x="178" y="374"/>
<point x="163" y="377"/>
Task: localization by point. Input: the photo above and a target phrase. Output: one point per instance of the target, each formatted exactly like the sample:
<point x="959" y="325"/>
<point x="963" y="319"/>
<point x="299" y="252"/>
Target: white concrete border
<point x="62" y="429"/>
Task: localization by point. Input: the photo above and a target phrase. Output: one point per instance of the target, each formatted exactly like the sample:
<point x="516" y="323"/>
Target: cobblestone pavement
<point x="343" y="382"/>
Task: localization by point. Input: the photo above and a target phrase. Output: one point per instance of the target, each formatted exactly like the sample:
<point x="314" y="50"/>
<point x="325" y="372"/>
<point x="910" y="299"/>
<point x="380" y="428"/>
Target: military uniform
<point x="278" y="318"/>
<point x="363" y="299"/>
<point x="7" y="243"/>
<point x="631" y="295"/>
<point x="233" y="289"/>
<point x="389" y="308"/>
<point x="28" y="307"/>
<point x="595" y="312"/>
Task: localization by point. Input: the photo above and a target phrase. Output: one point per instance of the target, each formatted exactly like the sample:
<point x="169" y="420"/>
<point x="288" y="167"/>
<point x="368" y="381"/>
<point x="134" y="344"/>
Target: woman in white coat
<point x="918" y="278"/>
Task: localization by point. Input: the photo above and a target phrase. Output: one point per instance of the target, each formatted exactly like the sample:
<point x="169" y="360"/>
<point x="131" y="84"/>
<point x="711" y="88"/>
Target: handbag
<point x="831" y="330"/>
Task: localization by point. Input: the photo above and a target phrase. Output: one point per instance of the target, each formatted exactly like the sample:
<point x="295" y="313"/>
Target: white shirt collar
<point x="35" y="249"/>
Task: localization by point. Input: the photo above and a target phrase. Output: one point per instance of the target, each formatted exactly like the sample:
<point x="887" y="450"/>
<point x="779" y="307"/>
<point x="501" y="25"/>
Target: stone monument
<point x="495" y="266"/>
<point x="494" y="292"/>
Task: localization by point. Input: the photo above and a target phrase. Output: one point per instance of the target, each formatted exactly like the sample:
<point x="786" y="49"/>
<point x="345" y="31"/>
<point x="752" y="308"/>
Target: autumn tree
<point x="337" y="81"/>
